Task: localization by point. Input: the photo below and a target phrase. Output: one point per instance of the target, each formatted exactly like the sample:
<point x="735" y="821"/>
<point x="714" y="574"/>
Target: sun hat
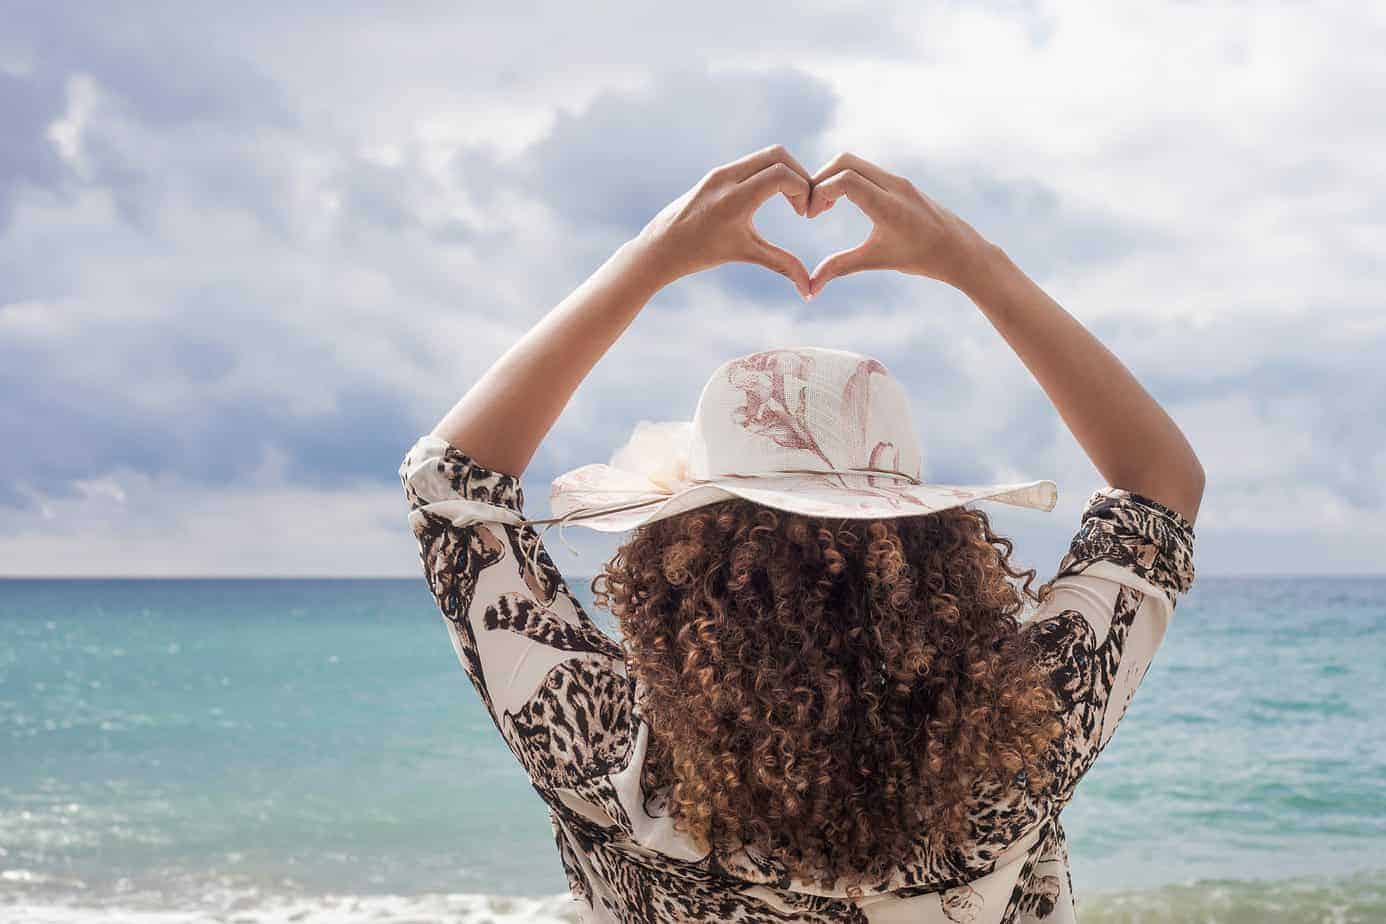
<point x="811" y="430"/>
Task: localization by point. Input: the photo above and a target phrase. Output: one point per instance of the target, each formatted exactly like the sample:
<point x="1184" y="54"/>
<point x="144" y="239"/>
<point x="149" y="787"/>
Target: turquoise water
<point x="312" y="750"/>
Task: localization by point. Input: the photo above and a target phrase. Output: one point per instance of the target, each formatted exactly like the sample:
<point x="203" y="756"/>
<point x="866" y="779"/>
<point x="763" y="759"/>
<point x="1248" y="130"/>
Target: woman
<point x="825" y="706"/>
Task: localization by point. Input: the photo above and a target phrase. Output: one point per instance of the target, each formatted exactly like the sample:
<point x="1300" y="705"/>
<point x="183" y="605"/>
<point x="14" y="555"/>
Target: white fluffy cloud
<point x="228" y="301"/>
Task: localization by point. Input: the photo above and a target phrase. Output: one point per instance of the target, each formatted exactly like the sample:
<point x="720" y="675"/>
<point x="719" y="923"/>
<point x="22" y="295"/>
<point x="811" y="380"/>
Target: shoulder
<point x="434" y="471"/>
<point x="1136" y="539"/>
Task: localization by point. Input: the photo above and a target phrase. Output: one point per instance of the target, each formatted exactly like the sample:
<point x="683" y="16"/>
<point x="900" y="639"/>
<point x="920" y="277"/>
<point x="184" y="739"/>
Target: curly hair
<point x="829" y="692"/>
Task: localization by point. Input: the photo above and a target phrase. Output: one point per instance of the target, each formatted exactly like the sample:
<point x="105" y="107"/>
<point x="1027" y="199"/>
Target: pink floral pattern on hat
<point x="774" y="408"/>
<point x="769" y="410"/>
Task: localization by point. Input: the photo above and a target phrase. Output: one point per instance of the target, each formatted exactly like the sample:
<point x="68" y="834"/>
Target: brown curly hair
<point x="829" y="692"/>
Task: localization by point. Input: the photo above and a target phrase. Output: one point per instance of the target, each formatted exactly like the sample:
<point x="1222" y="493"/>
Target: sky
<point x="250" y="252"/>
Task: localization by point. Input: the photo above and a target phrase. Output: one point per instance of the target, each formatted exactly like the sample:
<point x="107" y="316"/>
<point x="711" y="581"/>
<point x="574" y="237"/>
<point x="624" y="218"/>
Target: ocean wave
<point x="337" y="909"/>
<point x="1356" y="899"/>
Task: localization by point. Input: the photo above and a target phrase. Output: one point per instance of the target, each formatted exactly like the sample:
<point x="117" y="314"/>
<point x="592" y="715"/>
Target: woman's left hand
<point x="711" y="223"/>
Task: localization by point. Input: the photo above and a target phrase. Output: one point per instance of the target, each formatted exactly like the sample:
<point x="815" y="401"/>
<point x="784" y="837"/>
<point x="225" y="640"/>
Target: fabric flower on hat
<point x="659" y="451"/>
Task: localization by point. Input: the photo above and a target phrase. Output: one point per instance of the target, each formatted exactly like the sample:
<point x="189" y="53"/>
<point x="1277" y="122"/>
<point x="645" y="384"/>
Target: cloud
<point x="240" y="294"/>
<point x="628" y="154"/>
<point x="30" y="105"/>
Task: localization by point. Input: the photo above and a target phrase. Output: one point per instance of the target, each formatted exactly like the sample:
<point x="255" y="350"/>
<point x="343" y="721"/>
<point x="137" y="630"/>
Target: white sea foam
<point x="327" y="909"/>
<point x="1357" y="899"/>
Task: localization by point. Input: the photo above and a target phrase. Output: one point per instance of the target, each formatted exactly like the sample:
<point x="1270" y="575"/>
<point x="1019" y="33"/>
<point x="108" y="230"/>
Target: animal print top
<point x="557" y="688"/>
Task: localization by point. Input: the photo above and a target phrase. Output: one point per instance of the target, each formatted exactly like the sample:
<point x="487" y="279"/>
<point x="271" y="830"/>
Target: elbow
<point x="1190" y="494"/>
<point x="1178" y="486"/>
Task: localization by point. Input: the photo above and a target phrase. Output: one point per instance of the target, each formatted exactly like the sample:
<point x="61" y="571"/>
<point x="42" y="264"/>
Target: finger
<point x="867" y="195"/>
<point x="781" y="261"/>
<point x="848" y="161"/>
<point x="778" y="178"/>
<point x="842" y="263"/>
<point x="752" y="164"/>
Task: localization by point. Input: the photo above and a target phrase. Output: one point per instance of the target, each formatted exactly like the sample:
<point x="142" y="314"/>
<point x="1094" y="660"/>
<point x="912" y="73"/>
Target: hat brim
<point x="610" y="500"/>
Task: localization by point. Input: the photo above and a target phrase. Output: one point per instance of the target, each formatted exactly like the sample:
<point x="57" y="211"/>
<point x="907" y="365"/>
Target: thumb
<point x="781" y="261"/>
<point x="841" y="263"/>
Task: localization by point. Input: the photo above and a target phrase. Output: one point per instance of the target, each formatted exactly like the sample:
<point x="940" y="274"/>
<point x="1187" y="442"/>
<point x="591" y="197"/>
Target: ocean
<point x="311" y="750"/>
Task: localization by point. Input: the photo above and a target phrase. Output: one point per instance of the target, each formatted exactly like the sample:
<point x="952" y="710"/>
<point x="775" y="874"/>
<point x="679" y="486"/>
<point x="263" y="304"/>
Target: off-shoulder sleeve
<point x="554" y="684"/>
<point x="1110" y="604"/>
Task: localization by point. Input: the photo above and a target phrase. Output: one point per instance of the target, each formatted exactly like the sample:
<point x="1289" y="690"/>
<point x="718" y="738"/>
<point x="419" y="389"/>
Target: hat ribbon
<point x="464" y="512"/>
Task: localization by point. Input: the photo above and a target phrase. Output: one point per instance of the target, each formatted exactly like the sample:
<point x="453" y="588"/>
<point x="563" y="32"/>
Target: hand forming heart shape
<point x="711" y="224"/>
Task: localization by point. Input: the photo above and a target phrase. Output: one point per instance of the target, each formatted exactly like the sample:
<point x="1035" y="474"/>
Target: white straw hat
<point x="817" y="431"/>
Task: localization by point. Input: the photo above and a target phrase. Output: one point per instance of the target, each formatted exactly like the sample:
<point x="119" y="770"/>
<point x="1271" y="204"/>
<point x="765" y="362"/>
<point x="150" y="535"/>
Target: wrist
<point x="642" y="261"/>
<point x="980" y="265"/>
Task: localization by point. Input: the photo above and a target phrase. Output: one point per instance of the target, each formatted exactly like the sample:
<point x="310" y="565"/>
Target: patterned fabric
<point x="1135" y="532"/>
<point x="557" y="689"/>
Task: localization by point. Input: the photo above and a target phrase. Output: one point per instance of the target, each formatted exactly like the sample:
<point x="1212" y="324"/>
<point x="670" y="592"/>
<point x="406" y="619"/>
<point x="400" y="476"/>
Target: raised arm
<point x="554" y="684"/>
<point x="1125" y="432"/>
<point x="502" y="419"/>
<point x="1107" y="609"/>
<point x="1128" y="436"/>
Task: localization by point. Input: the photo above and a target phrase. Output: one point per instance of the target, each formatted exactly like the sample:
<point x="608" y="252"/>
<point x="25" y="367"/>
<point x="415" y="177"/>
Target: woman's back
<point x="563" y="696"/>
<point x="831" y="692"/>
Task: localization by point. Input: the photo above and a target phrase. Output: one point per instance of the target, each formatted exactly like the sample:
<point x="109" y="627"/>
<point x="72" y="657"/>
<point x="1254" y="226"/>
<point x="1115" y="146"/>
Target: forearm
<point x="504" y="416"/>
<point x="1128" y="436"/>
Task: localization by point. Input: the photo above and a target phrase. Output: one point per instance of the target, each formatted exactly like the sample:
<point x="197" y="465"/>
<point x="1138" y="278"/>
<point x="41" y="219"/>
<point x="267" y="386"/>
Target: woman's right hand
<point x="711" y="224"/>
<point x="910" y="232"/>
